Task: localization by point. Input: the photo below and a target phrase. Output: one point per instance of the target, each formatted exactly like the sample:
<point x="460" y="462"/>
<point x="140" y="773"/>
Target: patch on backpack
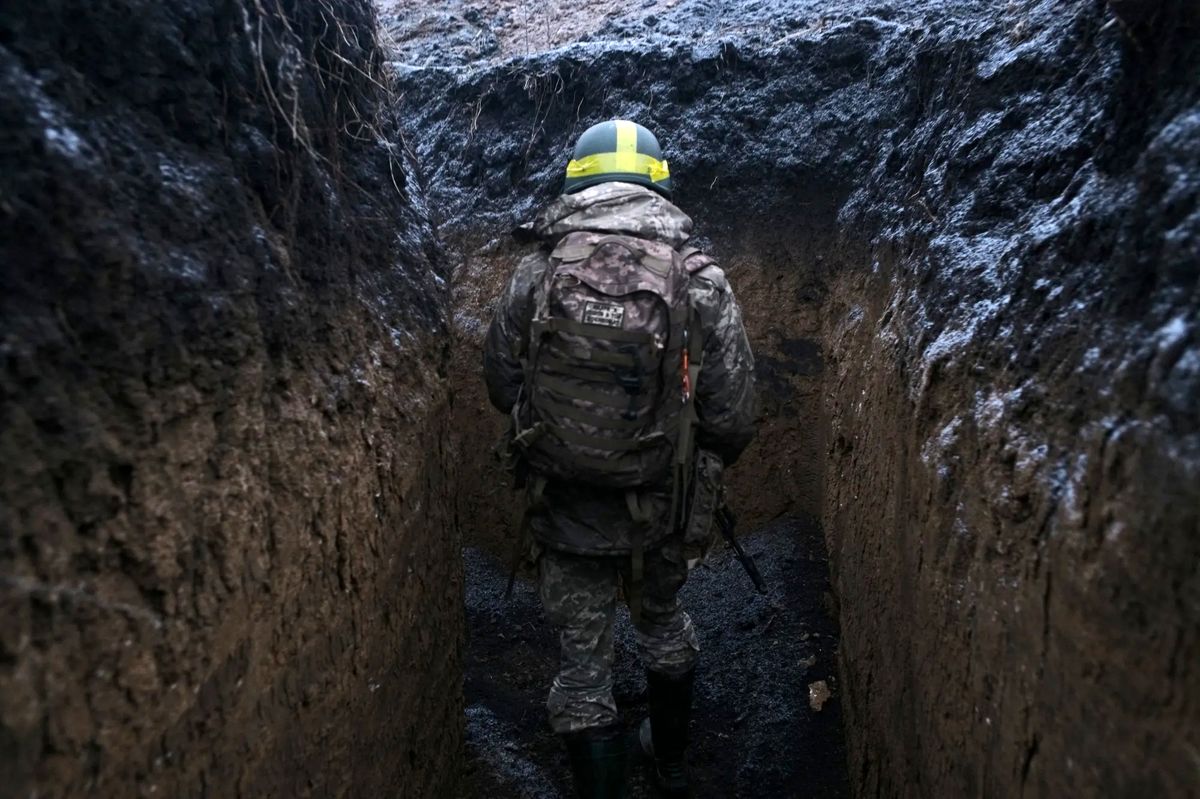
<point x="607" y="314"/>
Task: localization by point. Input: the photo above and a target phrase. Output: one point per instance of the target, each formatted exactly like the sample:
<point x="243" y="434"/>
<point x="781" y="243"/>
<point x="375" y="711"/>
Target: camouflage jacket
<point x="586" y="519"/>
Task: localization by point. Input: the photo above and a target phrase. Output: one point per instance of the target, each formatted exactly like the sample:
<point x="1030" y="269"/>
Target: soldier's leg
<point x="668" y="647"/>
<point x="579" y="597"/>
<point x="665" y="635"/>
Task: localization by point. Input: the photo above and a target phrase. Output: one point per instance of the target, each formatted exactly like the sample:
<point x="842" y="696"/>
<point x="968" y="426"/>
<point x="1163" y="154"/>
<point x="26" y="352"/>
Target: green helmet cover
<point x="617" y="150"/>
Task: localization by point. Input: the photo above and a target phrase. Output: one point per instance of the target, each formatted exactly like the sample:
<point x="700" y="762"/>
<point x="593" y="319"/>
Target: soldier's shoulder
<point x="705" y="274"/>
<point x="530" y="267"/>
<point x="533" y="261"/>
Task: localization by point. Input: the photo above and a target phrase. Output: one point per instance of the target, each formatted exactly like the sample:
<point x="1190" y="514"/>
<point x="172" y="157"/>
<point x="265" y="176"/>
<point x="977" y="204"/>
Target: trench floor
<point x="755" y="731"/>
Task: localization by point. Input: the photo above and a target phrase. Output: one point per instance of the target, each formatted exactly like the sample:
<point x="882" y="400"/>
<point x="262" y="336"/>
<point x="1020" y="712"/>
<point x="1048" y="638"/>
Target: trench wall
<point x="988" y="219"/>
<point x="227" y="563"/>
<point x="1014" y="438"/>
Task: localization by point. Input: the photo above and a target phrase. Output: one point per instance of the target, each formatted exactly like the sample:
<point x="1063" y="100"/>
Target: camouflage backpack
<point x="614" y="350"/>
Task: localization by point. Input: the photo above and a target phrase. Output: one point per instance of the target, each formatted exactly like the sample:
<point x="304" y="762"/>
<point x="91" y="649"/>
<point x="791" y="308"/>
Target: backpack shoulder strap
<point x="572" y="248"/>
<point x="537" y="322"/>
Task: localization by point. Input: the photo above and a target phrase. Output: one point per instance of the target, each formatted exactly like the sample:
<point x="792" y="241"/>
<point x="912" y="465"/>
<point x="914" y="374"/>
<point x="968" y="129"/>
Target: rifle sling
<point x="641" y="520"/>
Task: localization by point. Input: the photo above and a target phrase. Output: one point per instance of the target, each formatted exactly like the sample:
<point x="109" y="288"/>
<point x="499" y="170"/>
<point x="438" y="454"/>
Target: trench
<point x="761" y="656"/>
<point x="898" y="198"/>
<point x="252" y="541"/>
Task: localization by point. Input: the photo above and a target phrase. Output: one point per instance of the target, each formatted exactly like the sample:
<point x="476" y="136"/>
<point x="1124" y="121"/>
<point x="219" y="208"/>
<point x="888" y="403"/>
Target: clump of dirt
<point x="226" y="559"/>
<point x="754" y="731"/>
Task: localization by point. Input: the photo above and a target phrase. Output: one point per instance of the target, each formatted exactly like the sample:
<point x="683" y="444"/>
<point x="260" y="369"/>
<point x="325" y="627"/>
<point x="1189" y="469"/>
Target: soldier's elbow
<point x="502" y="401"/>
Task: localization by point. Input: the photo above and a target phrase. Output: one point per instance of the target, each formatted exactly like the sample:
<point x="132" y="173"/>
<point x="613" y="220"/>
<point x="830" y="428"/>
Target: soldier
<point x="621" y="356"/>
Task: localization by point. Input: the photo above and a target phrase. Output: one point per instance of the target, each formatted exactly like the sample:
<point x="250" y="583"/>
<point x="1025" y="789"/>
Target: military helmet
<point x="617" y="150"/>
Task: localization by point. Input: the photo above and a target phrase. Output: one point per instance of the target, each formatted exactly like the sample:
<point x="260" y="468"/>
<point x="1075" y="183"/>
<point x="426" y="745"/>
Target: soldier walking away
<point x="620" y="354"/>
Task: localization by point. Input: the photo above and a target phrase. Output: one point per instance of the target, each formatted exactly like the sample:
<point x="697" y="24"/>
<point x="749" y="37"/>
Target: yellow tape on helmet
<point x="610" y="163"/>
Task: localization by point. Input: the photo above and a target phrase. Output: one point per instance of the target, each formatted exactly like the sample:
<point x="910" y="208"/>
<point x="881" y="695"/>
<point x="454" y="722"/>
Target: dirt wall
<point x="227" y="563"/>
<point x="987" y="216"/>
<point x="1015" y="445"/>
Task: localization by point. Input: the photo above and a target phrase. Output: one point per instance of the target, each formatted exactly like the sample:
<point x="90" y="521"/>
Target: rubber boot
<point x="598" y="759"/>
<point x="664" y="736"/>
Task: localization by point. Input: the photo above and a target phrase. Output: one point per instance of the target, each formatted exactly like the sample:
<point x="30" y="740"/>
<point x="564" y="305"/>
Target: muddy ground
<point x="755" y="733"/>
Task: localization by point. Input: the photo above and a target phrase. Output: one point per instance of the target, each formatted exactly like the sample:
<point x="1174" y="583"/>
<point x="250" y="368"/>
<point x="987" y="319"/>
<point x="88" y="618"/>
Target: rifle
<point x="727" y="522"/>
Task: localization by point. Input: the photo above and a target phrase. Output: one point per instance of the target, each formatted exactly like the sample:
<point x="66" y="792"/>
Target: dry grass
<point x="333" y="49"/>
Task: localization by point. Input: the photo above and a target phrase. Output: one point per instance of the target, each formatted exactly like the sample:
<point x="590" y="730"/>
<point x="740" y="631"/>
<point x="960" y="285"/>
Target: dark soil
<point x="754" y="732"/>
<point x="226" y="560"/>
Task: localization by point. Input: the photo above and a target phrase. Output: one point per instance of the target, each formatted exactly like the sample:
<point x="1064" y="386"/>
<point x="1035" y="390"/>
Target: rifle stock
<point x="727" y="523"/>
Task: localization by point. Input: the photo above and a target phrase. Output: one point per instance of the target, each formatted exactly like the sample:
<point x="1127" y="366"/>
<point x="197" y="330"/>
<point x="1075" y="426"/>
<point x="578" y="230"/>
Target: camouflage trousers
<point x="579" y="594"/>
